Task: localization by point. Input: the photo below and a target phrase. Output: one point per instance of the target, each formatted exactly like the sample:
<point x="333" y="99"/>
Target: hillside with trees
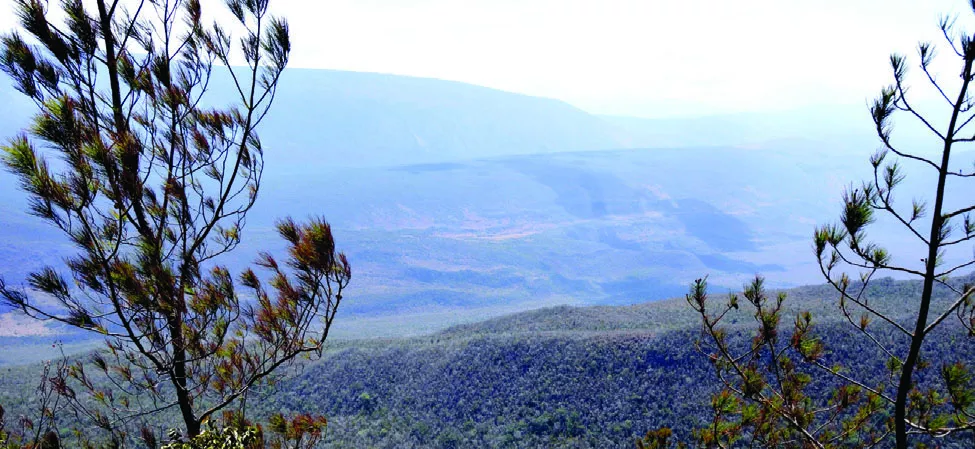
<point x="467" y="210"/>
<point x="556" y="377"/>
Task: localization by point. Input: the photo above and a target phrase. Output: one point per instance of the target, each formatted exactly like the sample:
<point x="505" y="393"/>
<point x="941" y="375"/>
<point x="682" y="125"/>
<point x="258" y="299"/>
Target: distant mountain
<point x="336" y="118"/>
<point x="354" y="119"/>
<point x="830" y="128"/>
<point x="330" y="118"/>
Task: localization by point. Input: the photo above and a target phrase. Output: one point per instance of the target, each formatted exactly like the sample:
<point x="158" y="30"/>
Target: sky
<point x="650" y="58"/>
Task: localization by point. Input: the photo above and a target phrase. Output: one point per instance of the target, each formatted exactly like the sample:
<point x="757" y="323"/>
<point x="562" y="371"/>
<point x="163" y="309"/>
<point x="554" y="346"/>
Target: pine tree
<point x="768" y="397"/>
<point x="152" y="185"/>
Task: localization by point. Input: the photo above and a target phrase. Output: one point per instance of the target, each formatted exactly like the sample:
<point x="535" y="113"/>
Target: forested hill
<point x="887" y="295"/>
<point x="562" y="377"/>
<point x="581" y="377"/>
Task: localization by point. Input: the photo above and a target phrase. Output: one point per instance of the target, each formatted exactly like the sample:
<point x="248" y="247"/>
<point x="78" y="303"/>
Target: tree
<point x="769" y="395"/>
<point x="152" y="187"/>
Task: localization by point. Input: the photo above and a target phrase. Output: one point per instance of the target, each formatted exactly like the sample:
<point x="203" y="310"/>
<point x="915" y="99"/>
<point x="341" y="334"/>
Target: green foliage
<point x="302" y="430"/>
<point x="224" y="438"/>
<point x="299" y="432"/>
<point x="768" y="397"/>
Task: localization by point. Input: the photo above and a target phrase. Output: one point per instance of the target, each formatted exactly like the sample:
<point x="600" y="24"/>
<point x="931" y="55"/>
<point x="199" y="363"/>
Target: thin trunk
<point x="121" y="127"/>
<point x="934" y="243"/>
<point x="179" y="380"/>
<point x="118" y="115"/>
<point x="111" y="63"/>
<point x="186" y="411"/>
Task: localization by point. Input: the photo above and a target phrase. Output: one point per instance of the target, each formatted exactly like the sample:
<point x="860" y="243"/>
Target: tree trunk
<point x="934" y="245"/>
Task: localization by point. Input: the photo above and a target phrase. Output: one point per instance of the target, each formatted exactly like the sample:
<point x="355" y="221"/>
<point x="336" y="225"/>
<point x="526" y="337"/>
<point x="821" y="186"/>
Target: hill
<point x="579" y="377"/>
<point x="565" y="376"/>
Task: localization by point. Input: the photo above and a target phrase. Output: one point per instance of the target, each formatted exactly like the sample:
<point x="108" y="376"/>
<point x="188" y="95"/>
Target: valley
<point x="582" y="210"/>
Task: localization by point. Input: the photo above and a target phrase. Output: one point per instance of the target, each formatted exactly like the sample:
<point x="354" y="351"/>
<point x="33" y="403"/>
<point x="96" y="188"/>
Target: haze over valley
<point x="455" y="202"/>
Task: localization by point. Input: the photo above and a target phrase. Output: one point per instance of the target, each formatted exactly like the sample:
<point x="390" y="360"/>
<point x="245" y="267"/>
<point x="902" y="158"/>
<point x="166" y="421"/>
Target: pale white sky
<point x="626" y="57"/>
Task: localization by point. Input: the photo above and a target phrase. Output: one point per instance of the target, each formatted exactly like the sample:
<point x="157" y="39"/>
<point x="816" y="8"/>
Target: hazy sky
<point x="636" y="57"/>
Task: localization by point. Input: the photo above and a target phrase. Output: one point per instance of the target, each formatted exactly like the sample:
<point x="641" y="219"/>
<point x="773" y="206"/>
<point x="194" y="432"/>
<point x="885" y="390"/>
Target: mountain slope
<point x="337" y="118"/>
